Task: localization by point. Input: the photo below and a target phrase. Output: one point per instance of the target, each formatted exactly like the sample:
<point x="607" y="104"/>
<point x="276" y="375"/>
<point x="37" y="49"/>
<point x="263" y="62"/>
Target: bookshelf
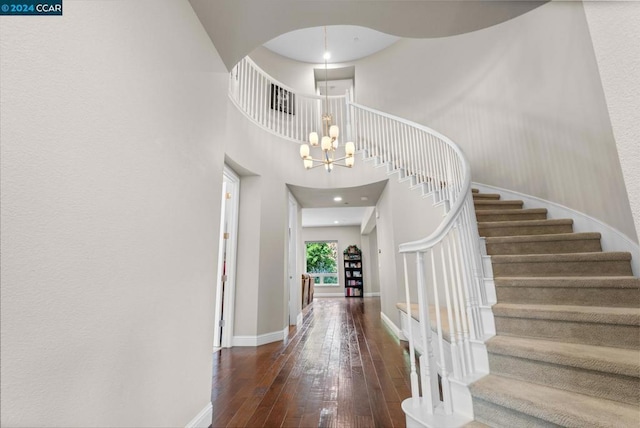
<point x="353" y="282"/>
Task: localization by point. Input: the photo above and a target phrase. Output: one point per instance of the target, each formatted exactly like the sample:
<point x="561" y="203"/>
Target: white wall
<point x="345" y="235"/>
<point x="111" y="176"/>
<point x="370" y="248"/>
<point x="523" y="99"/>
<point x="403" y="216"/>
<point x="247" y="274"/>
<point x="615" y="33"/>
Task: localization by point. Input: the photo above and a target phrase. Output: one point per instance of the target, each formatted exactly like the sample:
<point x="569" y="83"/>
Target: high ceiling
<point x="344" y="42"/>
<point x="237" y="27"/>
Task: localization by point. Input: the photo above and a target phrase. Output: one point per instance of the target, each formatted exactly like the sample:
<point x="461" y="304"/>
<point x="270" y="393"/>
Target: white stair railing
<point x="449" y="295"/>
<point x="452" y="292"/>
<point x="278" y="108"/>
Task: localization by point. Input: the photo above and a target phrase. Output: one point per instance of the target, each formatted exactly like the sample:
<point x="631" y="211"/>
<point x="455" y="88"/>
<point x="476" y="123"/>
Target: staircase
<point x="567" y="349"/>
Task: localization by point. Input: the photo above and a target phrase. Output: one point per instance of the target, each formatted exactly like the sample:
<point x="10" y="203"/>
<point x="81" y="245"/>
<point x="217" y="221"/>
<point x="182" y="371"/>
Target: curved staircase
<point x="567" y="318"/>
<point x="567" y="349"/>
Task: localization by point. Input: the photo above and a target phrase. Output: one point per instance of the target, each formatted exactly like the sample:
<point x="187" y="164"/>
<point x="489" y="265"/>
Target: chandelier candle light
<point x="329" y="141"/>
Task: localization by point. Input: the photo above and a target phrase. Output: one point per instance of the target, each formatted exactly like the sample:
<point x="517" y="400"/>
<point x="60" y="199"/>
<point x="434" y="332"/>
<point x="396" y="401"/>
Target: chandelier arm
<point x="316" y="160"/>
<point x="317" y="166"/>
<point x="343" y="158"/>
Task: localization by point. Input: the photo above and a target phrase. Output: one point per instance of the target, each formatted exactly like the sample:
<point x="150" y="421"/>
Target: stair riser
<point x="524" y="230"/>
<point x="501" y="417"/>
<point x="613" y="297"/>
<point x="609" y="386"/>
<point x="509" y="216"/>
<point x="563" y="268"/>
<point x="548" y="247"/>
<point x="498" y="206"/>
<point x="615" y="335"/>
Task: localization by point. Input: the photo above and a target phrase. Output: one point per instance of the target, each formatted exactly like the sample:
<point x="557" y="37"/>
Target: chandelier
<point x="329" y="142"/>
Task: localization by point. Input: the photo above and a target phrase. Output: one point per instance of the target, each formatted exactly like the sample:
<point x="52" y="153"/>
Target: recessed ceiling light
<point x="336" y="222"/>
<point x="337" y="198"/>
<point x="364" y="198"/>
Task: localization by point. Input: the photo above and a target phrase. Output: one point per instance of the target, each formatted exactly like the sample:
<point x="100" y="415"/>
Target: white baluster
<point x="444" y="372"/>
<point x="415" y="392"/>
<point x="428" y="372"/>
<point x="463" y="298"/>
<point x="452" y="335"/>
<point x="456" y="329"/>
<point x="475" y="285"/>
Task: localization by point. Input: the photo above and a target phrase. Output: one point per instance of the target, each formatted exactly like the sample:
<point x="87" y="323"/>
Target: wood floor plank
<point x="341" y="368"/>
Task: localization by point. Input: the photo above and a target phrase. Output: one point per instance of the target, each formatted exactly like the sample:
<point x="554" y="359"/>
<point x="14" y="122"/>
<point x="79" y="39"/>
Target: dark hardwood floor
<point x="341" y="368"/>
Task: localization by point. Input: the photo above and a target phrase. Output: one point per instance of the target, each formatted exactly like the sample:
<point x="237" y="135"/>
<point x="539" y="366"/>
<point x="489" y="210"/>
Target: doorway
<point x="225" y="289"/>
<point x="335" y="81"/>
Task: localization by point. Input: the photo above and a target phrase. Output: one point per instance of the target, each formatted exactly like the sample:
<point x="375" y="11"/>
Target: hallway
<point x="342" y="368"/>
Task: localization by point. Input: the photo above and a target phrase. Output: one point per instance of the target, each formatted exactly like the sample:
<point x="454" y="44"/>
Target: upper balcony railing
<point x="278" y="108"/>
<point x="451" y="292"/>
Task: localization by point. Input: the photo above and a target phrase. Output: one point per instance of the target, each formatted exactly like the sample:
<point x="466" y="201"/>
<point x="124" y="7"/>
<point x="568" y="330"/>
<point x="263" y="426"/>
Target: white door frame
<point x="228" y="213"/>
<point x="295" y="299"/>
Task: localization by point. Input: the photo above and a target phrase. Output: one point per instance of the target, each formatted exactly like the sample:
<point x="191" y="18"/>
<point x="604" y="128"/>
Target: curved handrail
<point x="447" y="223"/>
<point x="443" y="229"/>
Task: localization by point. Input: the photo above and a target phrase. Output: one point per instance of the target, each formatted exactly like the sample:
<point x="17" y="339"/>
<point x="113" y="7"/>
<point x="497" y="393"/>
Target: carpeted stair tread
<point x="565" y="264"/>
<point x="543" y="238"/>
<point x="570" y="282"/>
<point x="556" y="243"/>
<point x="511" y="214"/>
<point x="574" y="257"/>
<point x="598" y="358"/>
<point x="524" y="227"/>
<point x="473" y="190"/>
<point x="554" y="405"/>
<point x="585" y="314"/>
<point x="620" y="291"/>
<point x="486" y="196"/>
<point x="494" y="205"/>
<point x="524" y="223"/>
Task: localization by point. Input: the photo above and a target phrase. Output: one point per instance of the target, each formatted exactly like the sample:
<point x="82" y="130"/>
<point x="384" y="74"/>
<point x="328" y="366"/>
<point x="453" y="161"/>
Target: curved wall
<point x="523" y="99"/>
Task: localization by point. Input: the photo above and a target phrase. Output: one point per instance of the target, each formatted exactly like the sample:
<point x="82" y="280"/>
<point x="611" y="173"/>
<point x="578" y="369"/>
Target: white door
<point x="225" y="290"/>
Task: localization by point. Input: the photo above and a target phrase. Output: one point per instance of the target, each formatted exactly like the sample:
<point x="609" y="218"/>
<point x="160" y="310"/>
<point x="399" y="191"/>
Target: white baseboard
<point x="262" y="339"/>
<point x="299" y="319"/>
<point x="612" y="239"/>
<point x="202" y="419"/>
<point x="394" y="328"/>
<point x="372" y="294"/>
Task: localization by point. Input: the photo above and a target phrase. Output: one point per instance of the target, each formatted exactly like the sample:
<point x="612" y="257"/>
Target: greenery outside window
<point x="322" y="262"/>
